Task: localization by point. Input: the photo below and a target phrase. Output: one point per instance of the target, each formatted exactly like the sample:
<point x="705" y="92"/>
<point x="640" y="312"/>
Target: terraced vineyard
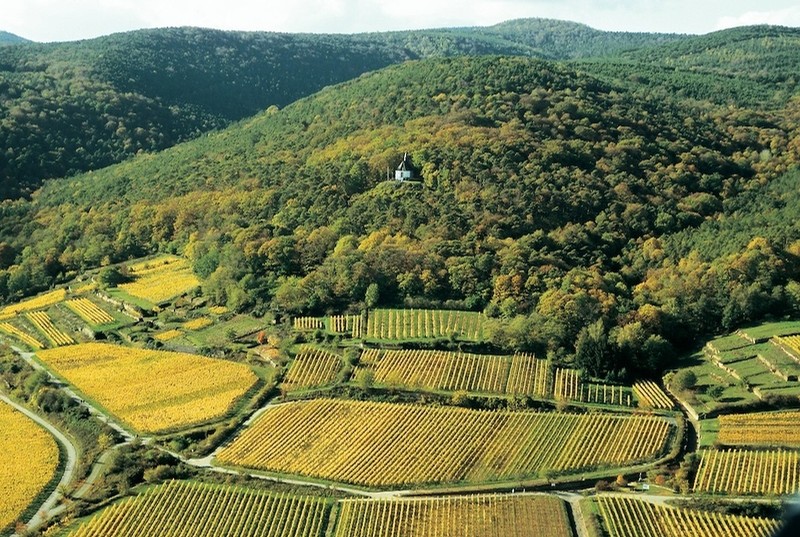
<point x="308" y="323"/>
<point x="469" y="516"/>
<point x="627" y="517"/>
<point x="391" y="325"/>
<point x="35" y="303"/>
<point x="161" y="279"/>
<point x="29" y="458"/>
<point x="792" y="343"/>
<point x="168" y="335"/>
<point x="179" y="508"/>
<point x="567" y="386"/>
<point x="89" y="311"/>
<point x="42" y="322"/>
<point x="392" y="444"/>
<point x="21" y="335"/>
<point x="346" y="324"/>
<point x="651" y="395"/>
<point x="312" y="367"/>
<point x="760" y="429"/>
<point x="151" y="390"/>
<point x="734" y="471"/>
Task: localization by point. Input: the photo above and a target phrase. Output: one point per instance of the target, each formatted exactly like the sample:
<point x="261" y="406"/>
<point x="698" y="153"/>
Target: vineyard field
<point x="651" y="395"/>
<point x="21" y="335"/>
<point x="152" y="391"/>
<point x="312" y="367"/>
<point x="160" y="279"/>
<point x="470" y="516"/>
<point x="628" y="517"/>
<point x="308" y="323"/>
<point x="394" y="444"/>
<point x="350" y="325"/>
<point x="197" y="324"/>
<point x="45" y="325"/>
<point x="760" y="429"/>
<point x="89" y="311"/>
<point x="734" y="471"/>
<point x="179" y="508"/>
<point x="35" y="303"/>
<point x="29" y="462"/>
<point x="568" y="386"/>
<point x="398" y="325"/>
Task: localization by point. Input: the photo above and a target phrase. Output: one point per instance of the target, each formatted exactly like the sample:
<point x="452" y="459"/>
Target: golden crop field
<point x="161" y="279"/>
<point x="197" y="324"/>
<point x="424" y="324"/>
<point x="628" y="517"/>
<point x="651" y="395"/>
<point x="45" y="325"/>
<point x="736" y="471"/>
<point x="760" y="429"/>
<point x="28" y="461"/>
<point x="89" y="311"/>
<point x="218" y="310"/>
<point x="520" y="374"/>
<point x="168" y="335"/>
<point x="385" y="444"/>
<point x="152" y="391"/>
<point x="21" y="335"/>
<point x="467" y="516"/>
<point x="312" y="367"/>
<point x="183" y="508"/>
<point x="35" y="303"/>
<point x="791" y="343"/>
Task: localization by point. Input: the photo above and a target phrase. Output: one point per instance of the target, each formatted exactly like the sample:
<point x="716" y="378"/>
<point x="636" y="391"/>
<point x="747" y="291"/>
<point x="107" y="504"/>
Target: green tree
<point x="372" y="296"/>
<point x="592" y="350"/>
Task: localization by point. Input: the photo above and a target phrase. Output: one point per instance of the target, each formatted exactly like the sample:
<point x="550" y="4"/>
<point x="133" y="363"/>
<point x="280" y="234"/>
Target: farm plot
<point x="351" y="325"/>
<point x="21" y="335"/>
<point x="29" y="458"/>
<point x="89" y="311"/>
<point x="408" y="324"/>
<point x="35" y="303"/>
<point x="760" y="429"/>
<point x="312" y="367"/>
<point x="520" y="374"/>
<point x="468" y="516"/>
<point x="568" y="386"/>
<point x="384" y="444"/>
<point x="180" y="508"/>
<point x="152" y="391"/>
<point x="627" y="517"/>
<point x="45" y="325"/>
<point x="735" y="471"/>
<point x="651" y="395"/>
<point x="161" y="279"/>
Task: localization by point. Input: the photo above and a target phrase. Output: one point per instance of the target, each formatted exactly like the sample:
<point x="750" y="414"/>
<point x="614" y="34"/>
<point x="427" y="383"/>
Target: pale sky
<point x="65" y="20"/>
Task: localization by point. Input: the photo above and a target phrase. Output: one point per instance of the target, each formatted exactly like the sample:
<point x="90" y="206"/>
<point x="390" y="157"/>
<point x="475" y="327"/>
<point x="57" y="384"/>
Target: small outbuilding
<point x="405" y="170"/>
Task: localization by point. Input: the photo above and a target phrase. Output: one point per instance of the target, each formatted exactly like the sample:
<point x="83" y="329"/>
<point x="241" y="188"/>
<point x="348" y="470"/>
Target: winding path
<point x="45" y="511"/>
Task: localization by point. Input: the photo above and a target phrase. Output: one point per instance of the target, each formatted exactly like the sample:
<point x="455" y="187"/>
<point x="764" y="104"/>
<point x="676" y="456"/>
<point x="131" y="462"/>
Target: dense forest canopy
<point x="7" y="38"/>
<point x="561" y="204"/>
<point x="66" y="108"/>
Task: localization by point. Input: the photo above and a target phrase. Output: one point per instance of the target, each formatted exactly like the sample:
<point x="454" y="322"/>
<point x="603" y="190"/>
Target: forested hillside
<point x="72" y="107"/>
<point x="546" y="199"/>
<point x="7" y="38"/>
<point x="753" y="66"/>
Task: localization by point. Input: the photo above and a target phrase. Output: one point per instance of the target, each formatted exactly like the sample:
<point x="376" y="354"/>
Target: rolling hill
<point x="542" y="193"/>
<point x="72" y="107"/>
<point x="7" y="38"/>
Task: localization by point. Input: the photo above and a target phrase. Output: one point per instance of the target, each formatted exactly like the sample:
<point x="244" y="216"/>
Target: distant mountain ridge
<point x="7" y="38"/>
<point x="72" y="107"/>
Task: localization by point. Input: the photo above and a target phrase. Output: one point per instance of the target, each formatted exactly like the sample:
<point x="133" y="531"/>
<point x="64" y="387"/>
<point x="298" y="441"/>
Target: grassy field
<point x="152" y="391"/>
<point x="768" y="330"/>
<point x="29" y="462"/>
